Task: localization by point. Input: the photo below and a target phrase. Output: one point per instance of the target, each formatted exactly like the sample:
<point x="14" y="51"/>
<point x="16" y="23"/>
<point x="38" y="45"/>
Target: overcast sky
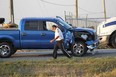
<point x="39" y="8"/>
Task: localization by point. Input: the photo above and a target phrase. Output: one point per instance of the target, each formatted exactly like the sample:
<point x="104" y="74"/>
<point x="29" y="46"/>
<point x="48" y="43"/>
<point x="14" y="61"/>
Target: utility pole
<point x="86" y="20"/>
<point x="104" y="6"/>
<point x="76" y="8"/>
<point x="11" y="11"/>
<point x="65" y="15"/>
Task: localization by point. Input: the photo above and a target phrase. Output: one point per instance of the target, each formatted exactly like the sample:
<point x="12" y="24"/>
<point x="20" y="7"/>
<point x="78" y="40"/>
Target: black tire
<point x="113" y="40"/>
<point x="79" y="49"/>
<point x="5" y="50"/>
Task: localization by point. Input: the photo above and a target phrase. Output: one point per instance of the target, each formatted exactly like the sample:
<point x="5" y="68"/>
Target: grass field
<point x="63" y="67"/>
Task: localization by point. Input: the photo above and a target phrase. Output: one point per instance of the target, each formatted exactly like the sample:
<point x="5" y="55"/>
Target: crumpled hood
<point x="84" y="29"/>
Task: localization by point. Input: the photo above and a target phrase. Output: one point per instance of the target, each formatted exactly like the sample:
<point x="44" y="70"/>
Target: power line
<point x="41" y="8"/>
<point x="56" y="3"/>
<point x="96" y="13"/>
<point x="90" y="12"/>
<point x="85" y="10"/>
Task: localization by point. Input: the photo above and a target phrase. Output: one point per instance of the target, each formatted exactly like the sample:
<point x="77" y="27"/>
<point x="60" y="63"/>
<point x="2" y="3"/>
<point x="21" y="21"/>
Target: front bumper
<point x="92" y="44"/>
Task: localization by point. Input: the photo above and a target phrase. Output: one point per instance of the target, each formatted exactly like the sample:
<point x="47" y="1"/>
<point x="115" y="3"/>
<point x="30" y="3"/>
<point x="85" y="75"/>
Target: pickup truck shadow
<point x="98" y="53"/>
<point x="32" y="55"/>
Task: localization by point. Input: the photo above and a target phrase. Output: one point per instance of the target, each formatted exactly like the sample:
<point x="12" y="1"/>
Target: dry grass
<point x="90" y="67"/>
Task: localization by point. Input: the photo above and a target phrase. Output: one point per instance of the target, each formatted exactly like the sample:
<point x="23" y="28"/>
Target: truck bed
<point x="9" y="29"/>
<point x="10" y="34"/>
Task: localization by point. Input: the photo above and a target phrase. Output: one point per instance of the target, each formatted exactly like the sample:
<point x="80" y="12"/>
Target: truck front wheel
<point x="5" y="50"/>
<point x="79" y="49"/>
<point x="113" y="40"/>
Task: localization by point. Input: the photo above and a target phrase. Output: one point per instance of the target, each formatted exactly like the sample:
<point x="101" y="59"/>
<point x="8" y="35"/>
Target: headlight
<point x="84" y="36"/>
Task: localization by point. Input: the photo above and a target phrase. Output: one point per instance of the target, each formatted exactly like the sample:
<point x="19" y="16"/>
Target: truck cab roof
<point x="39" y="18"/>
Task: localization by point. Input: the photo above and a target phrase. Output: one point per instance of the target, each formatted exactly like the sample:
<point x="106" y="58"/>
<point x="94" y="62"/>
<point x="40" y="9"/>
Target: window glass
<point x="40" y="25"/>
<point x="35" y="25"/>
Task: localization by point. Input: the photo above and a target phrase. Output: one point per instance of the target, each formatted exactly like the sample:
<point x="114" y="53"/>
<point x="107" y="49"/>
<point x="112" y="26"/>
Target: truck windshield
<point x="66" y="25"/>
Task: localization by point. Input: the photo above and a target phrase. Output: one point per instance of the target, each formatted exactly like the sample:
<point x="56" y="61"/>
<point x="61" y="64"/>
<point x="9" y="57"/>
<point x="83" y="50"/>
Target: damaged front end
<point x="85" y="40"/>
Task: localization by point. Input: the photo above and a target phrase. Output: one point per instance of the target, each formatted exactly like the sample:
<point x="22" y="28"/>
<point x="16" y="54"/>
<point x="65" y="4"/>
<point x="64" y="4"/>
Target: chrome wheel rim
<point x="4" y="50"/>
<point x="78" y="49"/>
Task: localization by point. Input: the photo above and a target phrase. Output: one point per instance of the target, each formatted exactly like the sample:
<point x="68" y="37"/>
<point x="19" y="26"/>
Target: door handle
<point x="43" y="34"/>
<point x="24" y="34"/>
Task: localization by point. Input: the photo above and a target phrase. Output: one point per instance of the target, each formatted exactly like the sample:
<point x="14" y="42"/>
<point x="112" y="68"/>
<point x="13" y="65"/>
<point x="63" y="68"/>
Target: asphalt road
<point x="47" y="54"/>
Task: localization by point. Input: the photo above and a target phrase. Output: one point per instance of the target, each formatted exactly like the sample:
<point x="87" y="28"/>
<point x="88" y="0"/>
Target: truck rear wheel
<point x="79" y="49"/>
<point x="113" y="40"/>
<point x="5" y="50"/>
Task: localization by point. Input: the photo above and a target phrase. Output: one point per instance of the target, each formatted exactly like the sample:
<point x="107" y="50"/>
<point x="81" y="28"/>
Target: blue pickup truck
<point x="35" y="33"/>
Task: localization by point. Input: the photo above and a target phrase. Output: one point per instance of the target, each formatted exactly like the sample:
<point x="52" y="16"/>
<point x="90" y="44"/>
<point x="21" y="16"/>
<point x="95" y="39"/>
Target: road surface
<point x="47" y="54"/>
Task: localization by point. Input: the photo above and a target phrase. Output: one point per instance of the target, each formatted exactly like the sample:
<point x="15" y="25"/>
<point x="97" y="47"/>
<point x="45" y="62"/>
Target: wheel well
<point x="111" y="37"/>
<point x="79" y="39"/>
<point x="6" y="40"/>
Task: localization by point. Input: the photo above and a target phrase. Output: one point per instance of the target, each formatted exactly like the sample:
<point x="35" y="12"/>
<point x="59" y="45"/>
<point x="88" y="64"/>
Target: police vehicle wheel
<point x="79" y="49"/>
<point x="113" y="40"/>
<point x="5" y="50"/>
